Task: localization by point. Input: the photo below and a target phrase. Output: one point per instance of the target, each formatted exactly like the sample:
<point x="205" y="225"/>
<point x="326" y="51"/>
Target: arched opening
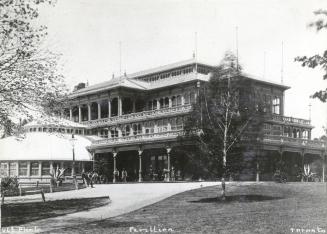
<point x="126" y="130"/>
<point x="174" y="101"/>
<point x="139" y="105"/>
<point x="114" y="132"/>
<point x="166" y="104"/>
<point x="94" y="110"/>
<point x="114" y="107"/>
<point x="104" y="109"/>
<point x="127" y="107"/>
<point x="84" y="112"/>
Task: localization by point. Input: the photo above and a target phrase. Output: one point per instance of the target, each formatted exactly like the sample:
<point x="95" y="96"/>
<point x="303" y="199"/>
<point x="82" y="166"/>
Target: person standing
<point x="124" y="175"/>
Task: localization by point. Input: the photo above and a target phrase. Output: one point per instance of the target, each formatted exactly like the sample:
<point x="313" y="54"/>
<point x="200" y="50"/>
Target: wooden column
<point x="109" y="108"/>
<point x="120" y="106"/>
<point x="28" y="169"/>
<point x="88" y="111"/>
<point x="158" y="104"/>
<point x="323" y="166"/>
<point x="140" y="165"/>
<point x="51" y="167"/>
<point x="134" y="109"/>
<point x="257" y="178"/>
<point x="115" y="168"/>
<point x="17" y="168"/>
<point x="40" y="168"/>
<point x="70" y="114"/>
<point x="168" y="163"/>
<point x="99" y="110"/>
<point x="170" y="102"/>
<point x="302" y="164"/>
<point x="79" y="114"/>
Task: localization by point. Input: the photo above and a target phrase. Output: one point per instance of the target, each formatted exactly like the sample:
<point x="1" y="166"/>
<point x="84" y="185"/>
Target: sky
<point x="153" y="33"/>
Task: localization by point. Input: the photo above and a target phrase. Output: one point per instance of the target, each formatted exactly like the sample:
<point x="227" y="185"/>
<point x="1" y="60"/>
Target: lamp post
<point x="72" y="141"/>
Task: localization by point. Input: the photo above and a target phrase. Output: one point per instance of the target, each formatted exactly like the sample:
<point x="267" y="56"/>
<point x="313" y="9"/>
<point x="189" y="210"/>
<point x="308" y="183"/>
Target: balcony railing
<point x="139" y="138"/>
<point x="283" y="140"/>
<point x="138" y="116"/>
<point x="290" y="120"/>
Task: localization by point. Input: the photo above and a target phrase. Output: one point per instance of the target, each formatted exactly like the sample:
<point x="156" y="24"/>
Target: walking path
<point x="124" y="198"/>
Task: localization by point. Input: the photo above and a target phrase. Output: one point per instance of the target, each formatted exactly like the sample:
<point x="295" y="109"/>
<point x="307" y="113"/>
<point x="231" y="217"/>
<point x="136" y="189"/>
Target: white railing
<point x="283" y="140"/>
<point x="139" y="138"/>
<point x="287" y="119"/>
<point x="138" y="116"/>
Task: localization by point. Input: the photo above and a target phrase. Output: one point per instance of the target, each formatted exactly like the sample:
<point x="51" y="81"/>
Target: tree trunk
<point x="223" y="184"/>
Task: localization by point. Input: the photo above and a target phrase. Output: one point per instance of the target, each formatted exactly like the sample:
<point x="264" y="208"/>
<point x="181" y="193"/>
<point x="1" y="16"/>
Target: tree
<point x="28" y="72"/>
<point x="225" y="117"/>
<point x="317" y="60"/>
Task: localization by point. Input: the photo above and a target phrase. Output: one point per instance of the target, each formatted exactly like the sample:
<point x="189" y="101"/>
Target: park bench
<point x="27" y="191"/>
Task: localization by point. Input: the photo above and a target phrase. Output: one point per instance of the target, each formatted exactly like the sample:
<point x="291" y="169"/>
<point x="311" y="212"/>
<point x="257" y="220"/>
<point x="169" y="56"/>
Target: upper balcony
<point x="295" y="143"/>
<point x="142" y="138"/>
<point x="269" y="142"/>
<point x="139" y="116"/>
<point x="289" y="120"/>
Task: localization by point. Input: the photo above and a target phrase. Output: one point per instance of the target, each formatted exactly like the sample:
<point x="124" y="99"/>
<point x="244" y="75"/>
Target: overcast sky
<point x="155" y="33"/>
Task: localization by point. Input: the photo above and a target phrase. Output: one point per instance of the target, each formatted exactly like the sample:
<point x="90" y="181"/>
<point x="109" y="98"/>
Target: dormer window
<point x="276" y="105"/>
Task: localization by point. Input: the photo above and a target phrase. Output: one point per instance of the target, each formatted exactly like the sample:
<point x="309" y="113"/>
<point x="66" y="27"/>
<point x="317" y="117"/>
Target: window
<point x="22" y="169"/>
<point x="166" y="102"/>
<point x="45" y="168"/>
<point x="149" y="127"/>
<point x="126" y="130"/>
<point x="34" y="169"/>
<point x="162" y="125"/>
<point x="12" y="169"/>
<point x="174" y="101"/>
<point x="161" y="103"/>
<point x="3" y="169"/>
<point x="186" y="99"/>
<point x="137" y="129"/>
<point x="114" y="133"/>
<point x="192" y="97"/>
<point x="154" y="107"/>
<point x="179" y="100"/>
<point x="276" y="105"/>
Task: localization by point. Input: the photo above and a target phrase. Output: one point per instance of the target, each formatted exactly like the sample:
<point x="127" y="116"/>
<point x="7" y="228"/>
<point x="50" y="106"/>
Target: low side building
<point x="42" y="148"/>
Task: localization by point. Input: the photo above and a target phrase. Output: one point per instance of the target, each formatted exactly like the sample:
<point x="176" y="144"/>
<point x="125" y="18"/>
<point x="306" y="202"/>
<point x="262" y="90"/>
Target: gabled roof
<point x="262" y="80"/>
<point x="130" y="81"/>
<point x="111" y="84"/>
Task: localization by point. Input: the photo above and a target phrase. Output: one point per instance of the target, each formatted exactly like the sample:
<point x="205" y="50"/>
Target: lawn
<point x="22" y="213"/>
<point x="249" y="208"/>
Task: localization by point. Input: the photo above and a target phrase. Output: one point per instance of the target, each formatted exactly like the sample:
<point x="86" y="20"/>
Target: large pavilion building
<point x="139" y="117"/>
<point x="133" y="123"/>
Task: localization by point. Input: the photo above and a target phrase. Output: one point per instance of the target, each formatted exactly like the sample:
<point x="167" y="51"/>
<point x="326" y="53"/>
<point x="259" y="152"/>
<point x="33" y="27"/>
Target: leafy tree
<point x="317" y="60"/>
<point x="28" y="72"/>
<point x="225" y="119"/>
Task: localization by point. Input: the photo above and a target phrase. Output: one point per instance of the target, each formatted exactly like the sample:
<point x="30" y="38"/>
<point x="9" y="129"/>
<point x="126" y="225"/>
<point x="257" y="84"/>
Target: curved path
<point x="124" y="198"/>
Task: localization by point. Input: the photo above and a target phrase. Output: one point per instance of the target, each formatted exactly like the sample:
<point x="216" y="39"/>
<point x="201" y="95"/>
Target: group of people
<point x="123" y="175"/>
<point x="92" y="177"/>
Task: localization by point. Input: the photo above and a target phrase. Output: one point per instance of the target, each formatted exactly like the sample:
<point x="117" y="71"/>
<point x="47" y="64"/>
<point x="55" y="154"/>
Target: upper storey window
<point x="276" y="105"/>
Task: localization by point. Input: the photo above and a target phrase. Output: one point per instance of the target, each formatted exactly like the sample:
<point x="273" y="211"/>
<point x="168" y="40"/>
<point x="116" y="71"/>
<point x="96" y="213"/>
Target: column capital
<point x="140" y="152"/>
<point x="168" y="149"/>
<point x="114" y="154"/>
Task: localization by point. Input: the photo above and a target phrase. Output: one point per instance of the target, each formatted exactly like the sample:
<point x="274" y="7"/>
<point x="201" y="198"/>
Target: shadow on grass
<point x="21" y="213"/>
<point x="237" y="198"/>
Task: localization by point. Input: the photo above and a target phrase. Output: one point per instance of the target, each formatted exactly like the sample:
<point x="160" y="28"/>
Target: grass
<point x="249" y="208"/>
<point x="22" y="213"/>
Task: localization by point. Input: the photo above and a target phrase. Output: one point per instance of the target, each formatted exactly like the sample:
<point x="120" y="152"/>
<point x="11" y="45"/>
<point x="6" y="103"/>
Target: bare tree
<point x="28" y="73"/>
<point x="225" y="111"/>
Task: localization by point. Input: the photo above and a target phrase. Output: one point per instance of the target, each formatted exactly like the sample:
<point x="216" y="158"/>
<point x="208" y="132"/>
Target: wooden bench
<point x="32" y="190"/>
